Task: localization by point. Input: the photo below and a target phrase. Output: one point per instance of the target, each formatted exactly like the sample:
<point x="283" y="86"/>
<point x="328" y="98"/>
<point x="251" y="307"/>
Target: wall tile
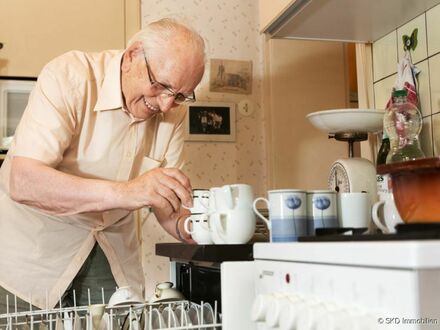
<point x="434" y="79"/>
<point x="436" y="134"/>
<point x="421" y="51"/>
<point x="433" y="30"/>
<point x="385" y="56"/>
<point x="423" y="88"/>
<point x="426" y="137"/>
<point x="382" y="91"/>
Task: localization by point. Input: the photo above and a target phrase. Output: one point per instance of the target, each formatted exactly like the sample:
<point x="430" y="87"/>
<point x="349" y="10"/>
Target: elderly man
<point x="101" y="136"/>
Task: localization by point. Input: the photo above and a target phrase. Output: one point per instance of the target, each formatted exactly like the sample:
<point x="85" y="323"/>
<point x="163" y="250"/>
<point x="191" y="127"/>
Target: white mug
<point x="232" y="226"/>
<point x="234" y="196"/>
<point x="287" y="214"/>
<point x="322" y="210"/>
<point x="391" y="216"/>
<point x="200" y="201"/>
<point x="354" y="210"/>
<point x="200" y="231"/>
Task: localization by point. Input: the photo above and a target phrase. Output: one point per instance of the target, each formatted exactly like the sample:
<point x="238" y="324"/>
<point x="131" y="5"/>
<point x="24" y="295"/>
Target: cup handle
<point x="186" y="226"/>
<point x="376" y="218"/>
<point x="218" y="228"/>
<point x="254" y="205"/>
<point x="203" y="197"/>
<point x="227" y="191"/>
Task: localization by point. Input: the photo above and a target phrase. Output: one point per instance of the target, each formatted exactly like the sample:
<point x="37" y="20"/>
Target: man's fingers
<point x="180" y="177"/>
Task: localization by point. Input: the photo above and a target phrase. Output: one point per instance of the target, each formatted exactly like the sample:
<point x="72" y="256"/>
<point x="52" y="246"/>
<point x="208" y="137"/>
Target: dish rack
<point x="120" y="317"/>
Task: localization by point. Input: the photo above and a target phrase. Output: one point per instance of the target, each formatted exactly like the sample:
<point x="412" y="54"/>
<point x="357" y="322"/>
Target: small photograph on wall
<point x="210" y="121"/>
<point x="230" y="76"/>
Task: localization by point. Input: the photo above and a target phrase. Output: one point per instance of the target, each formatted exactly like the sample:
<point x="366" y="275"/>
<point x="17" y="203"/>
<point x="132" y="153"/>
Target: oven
<point x="349" y="284"/>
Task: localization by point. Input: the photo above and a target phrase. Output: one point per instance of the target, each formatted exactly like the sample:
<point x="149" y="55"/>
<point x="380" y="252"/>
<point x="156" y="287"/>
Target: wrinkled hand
<point x="161" y="188"/>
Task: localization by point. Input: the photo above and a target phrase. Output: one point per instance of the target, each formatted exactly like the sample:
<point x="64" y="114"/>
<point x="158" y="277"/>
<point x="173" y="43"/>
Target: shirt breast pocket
<point x="148" y="164"/>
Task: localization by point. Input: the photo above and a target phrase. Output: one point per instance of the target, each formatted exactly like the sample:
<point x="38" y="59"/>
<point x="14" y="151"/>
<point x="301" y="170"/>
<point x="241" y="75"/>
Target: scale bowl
<point x="347" y="120"/>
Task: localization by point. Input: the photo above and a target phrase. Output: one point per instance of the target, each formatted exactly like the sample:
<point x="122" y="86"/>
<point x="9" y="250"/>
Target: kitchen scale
<point x="352" y="174"/>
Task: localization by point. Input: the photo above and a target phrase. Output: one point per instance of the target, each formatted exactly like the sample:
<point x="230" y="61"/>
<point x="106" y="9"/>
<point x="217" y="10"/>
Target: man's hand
<point x="162" y="188"/>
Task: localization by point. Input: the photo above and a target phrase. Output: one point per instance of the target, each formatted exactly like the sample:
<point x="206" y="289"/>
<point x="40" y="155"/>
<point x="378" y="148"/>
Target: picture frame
<point x="210" y="121"/>
<point x="230" y="76"/>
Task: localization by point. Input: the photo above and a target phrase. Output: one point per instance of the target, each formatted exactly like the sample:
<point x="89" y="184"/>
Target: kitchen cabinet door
<point x="302" y="77"/>
<point x="34" y="32"/>
<point x="270" y="10"/>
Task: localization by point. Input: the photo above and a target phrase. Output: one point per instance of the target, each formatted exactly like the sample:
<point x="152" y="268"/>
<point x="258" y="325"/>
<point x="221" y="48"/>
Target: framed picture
<point x="210" y="121"/>
<point x="230" y="76"/>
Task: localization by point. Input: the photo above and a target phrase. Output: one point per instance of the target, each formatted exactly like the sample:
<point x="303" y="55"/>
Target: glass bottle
<point x="382" y="179"/>
<point x="383" y="150"/>
<point x="403" y="123"/>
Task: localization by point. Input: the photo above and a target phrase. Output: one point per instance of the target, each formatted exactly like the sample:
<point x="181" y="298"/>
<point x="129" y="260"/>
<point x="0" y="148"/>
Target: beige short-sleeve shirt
<point x="75" y="122"/>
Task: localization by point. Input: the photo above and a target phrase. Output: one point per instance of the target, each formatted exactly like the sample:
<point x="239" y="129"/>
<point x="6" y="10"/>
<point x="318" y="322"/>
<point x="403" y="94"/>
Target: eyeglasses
<point x="166" y="92"/>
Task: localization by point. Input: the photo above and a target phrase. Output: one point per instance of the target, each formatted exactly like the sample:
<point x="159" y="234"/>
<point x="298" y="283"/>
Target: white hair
<point x="158" y="33"/>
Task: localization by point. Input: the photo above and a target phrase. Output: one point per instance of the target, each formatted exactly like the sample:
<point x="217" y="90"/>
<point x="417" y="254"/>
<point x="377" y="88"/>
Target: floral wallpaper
<point x="230" y="30"/>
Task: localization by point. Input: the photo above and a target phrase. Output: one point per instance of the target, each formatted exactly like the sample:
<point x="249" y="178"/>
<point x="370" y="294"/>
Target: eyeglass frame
<point x="186" y="99"/>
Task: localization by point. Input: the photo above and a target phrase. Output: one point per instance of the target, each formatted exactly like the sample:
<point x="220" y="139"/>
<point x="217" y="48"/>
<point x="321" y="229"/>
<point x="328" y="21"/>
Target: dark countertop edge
<point x="207" y="253"/>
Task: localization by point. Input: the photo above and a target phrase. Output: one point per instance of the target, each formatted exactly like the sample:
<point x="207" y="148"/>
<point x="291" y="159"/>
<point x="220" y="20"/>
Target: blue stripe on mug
<point x="288" y="230"/>
<point x="321" y="222"/>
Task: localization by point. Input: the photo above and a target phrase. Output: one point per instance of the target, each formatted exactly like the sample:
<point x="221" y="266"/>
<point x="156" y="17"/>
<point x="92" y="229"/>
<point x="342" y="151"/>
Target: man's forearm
<point x="35" y="184"/>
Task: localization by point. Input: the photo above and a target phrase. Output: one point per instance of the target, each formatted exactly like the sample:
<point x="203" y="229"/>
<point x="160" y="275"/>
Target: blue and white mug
<point x="287" y="214"/>
<point x="321" y="210"/>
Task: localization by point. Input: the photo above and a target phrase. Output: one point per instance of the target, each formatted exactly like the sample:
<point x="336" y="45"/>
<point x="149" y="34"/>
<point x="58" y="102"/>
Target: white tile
<point x="382" y="91"/>
<point x="436" y="134"/>
<point x="434" y="79"/>
<point x="421" y="51"/>
<point x="423" y="88"/>
<point x="426" y="137"/>
<point x="433" y="30"/>
<point x="385" y="56"/>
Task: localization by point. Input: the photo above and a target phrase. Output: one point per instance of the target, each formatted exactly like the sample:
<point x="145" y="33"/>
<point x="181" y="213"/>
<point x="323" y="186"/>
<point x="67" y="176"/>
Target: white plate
<point x="347" y="120"/>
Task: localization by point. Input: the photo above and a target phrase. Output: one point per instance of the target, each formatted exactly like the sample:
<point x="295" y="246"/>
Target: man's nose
<point x="166" y="104"/>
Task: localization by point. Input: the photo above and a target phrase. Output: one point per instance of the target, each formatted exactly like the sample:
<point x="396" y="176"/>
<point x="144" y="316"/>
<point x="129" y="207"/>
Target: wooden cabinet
<point x="270" y="10"/>
<point x="34" y="32"/>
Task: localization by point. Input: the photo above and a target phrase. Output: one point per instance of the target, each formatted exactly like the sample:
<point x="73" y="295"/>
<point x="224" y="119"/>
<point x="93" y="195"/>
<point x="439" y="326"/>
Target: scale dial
<point x="339" y="179"/>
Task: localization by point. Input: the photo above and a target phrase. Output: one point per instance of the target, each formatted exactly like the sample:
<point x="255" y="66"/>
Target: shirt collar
<point x="110" y="95"/>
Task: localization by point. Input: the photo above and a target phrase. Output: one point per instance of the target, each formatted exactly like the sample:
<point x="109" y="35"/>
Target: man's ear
<point x="130" y="55"/>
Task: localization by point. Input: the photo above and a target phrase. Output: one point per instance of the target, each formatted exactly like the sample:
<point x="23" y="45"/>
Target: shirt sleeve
<point x="48" y="122"/>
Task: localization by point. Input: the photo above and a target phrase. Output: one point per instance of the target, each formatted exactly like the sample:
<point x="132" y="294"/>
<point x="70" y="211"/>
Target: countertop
<point x="205" y="253"/>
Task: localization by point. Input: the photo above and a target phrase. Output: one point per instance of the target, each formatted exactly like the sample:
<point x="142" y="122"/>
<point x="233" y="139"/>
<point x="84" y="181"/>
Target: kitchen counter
<point x="205" y="253"/>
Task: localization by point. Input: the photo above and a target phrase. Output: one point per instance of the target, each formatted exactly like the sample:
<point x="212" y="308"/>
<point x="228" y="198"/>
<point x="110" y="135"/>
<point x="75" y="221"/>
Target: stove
<point x="342" y="281"/>
<point x="339" y="279"/>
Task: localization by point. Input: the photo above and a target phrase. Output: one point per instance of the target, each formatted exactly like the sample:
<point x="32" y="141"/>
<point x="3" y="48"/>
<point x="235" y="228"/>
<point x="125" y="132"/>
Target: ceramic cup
<point x="165" y="292"/>
<point x="391" y="216"/>
<point x="125" y="295"/>
<point x="287" y="214"/>
<point x="235" y="226"/>
<point x="321" y="210"/>
<point x="200" y="201"/>
<point x="354" y="209"/>
<point x="200" y="231"/>
<point x="96" y="313"/>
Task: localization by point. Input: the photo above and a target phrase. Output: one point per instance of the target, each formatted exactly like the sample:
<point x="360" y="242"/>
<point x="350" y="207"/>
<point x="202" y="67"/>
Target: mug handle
<point x="376" y="218"/>
<point x="186" y="226"/>
<point x="227" y="192"/>
<point x="203" y="197"/>
<point x="217" y="224"/>
<point x="254" y="205"/>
